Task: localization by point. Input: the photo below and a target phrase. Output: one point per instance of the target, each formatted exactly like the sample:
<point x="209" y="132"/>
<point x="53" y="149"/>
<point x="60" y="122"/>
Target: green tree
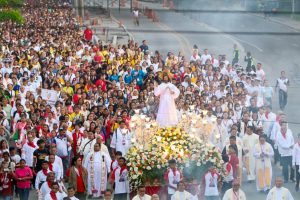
<point x="10" y="10"/>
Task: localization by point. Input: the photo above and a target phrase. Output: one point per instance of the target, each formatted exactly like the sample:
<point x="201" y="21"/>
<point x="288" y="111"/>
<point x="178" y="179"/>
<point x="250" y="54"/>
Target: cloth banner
<point x="50" y="95"/>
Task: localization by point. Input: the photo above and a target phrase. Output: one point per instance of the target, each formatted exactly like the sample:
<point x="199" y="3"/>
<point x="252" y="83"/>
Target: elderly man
<point x="235" y="193"/>
<point x="279" y="192"/>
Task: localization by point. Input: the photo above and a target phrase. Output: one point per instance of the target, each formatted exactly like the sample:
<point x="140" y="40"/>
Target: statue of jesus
<point x="167" y="113"/>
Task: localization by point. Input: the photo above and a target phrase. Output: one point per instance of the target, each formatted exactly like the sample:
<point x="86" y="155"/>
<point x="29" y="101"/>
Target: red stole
<point x="75" y="140"/>
<point x="166" y="176"/>
<point x="122" y="169"/>
<point x="49" y="184"/>
<point x="45" y="172"/>
<point x="31" y="144"/>
<point x="50" y="166"/>
<point x="53" y="195"/>
<point x="267" y="115"/>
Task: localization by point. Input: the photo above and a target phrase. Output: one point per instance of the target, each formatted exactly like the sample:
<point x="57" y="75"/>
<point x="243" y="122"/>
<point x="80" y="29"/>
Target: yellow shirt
<point x="68" y="90"/>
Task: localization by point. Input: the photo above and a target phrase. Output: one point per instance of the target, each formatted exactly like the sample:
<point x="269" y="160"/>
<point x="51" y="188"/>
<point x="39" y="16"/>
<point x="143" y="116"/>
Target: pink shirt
<point x="21" y="173"/>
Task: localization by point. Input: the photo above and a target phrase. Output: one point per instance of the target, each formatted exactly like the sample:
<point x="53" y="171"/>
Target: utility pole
<point x="119" y="6"/>
<point x="107" y="8"/>
<point x="293" y="6"/>
<point x="131" y="4"/>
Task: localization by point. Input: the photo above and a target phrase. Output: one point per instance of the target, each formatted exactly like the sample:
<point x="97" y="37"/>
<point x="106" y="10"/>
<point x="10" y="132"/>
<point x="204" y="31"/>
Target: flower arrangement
<point x="149" y="161"/>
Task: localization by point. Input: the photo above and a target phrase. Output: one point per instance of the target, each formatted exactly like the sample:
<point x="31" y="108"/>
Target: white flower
<point x="158" y="166"/>
<point x="187" y="164"/>
<point x="134" y="176"/>
<point x="198" y="164"/>
<point x="136" y="169"/>
<point x="148" y="168"/>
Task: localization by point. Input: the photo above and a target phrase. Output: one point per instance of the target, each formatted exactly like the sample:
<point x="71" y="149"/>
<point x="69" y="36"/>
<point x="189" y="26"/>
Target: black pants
<point x="226" y="186"/>
<point x="286" y="162"/>
<point x="80" y="195"/>
<point x="122" y="196"/>
<point x="282" y="99"/>
<point x="276" y="156"/>
<point x="297" y="176"/>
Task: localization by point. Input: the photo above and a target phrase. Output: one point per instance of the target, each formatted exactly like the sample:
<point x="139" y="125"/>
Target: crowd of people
<point x="81" y="139"/>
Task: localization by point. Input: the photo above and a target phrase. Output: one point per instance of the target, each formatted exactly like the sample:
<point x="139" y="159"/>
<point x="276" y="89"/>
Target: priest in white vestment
<point x="167" y="113"/>
<point x="97" y="164"/>
<point x="181" y="193"/>
<point x="141" y="194"/>
<point x="278" y="192"/>
<point x="218" y="134"/>
<point x="263" y="153"/>
<point x="235" y="193"/>
<point x="249" y="141"/>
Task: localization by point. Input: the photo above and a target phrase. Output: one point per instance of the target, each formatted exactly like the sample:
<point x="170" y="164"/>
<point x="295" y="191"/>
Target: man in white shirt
<point x="211" y="184"/>
<point x="57" y="160"/>
<point x="296" y="161"/>
<point x="141" y="194"/>
<point x="173" y="177"/>
<point x="181" y="193"/>
<point x="41" y="176"/>
<point x="54" y="167"/>
<point x="268" y="118"/>
<point x="260" y="73"/>
<point x="63" y="143"/>
<point x="87" y="144"/>
<point x="205" y="57"/>
<point x="27" y="150"/>
<point x="285" y="142"/>
<point x="279" y="192"/>
<point x="71" y="194"/>
<point x="119" y="179"/>
<point x="121" y="140"/>
<point x="55" y="193"/>
<point x="282" y="83"/>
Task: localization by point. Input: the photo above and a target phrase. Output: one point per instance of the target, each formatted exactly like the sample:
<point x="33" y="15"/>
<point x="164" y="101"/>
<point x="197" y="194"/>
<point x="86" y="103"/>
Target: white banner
<point x="51" y="96"/>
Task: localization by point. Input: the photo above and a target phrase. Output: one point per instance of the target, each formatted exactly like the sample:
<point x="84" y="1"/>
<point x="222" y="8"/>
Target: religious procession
<point x="83" y="120"/>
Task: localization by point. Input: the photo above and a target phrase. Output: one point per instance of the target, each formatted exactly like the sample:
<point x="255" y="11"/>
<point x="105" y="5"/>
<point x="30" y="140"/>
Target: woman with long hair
<point x="77" y="177"/>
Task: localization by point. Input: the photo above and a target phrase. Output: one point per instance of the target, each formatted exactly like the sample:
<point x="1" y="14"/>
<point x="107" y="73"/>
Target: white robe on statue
<point x="167" y="113"/>
<point x="98" y="167"/>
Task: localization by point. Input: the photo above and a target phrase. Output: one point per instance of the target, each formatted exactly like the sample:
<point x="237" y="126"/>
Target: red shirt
<point x="98" y="58"/>
<point x="234" y="161"/>
<point x="6" y="184"/>
<point x="88" y="34"/>
<point x="79" y="180"/>
<point x="102" y="83"/>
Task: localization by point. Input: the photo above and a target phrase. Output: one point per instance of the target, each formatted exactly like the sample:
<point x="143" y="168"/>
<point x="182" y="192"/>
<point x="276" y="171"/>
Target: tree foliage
<point x="9" y="10"/>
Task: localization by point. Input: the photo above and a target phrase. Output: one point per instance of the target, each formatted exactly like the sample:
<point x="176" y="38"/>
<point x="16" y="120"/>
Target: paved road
<point x="275" y="45"/>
